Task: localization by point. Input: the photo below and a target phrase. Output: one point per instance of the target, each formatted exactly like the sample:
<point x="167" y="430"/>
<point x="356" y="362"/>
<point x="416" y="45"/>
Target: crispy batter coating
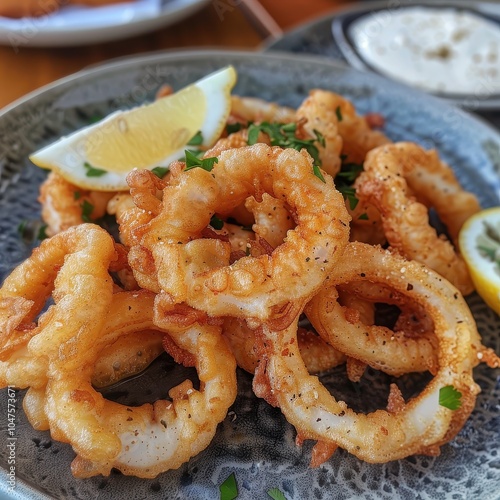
<point x="65" y="205"/>
<point x="251" y="286"/>
<point x="422" y="425"/>
<point x="392" y="173"/>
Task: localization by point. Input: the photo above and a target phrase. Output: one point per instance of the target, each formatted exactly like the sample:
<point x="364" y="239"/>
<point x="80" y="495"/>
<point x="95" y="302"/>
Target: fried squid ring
<point x="358" y="138"/>
<point x="251" y="286"/>
<point x="272" y="219"/>
<point x="81" y="302"/>
<point x="128" y="356"/>
<point x="149" y="439"/>
<point x="128" y="215"/>
<point x="317" y="113"/>
<point x="63" y="204"/>
<point x="384" y="349"/>
<point x="421" y="424"/>
<point x="253" y="109"/>
<point x="138" y="343"/>
<point x="318" y="356"/>
<point x="390" y="173"/>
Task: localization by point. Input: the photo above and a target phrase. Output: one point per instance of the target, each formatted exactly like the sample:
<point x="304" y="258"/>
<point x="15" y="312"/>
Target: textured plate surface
<point x="254" y="441"/>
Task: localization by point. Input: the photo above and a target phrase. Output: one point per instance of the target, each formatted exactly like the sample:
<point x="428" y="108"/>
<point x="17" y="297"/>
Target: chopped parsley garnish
<point x="283" y="135"/>
<point x="32" y="230"/>
<point x="160" y="171"/>
<point x="192" y="161"/>
<point x="363" y="216"/>
<point x="92" y="171"/>
<point x="42" y="232"/>
<point x="450" y="398"/>
<point x="77" y="195"/>
<point x="276" y="494"/>
<point x="22" y="228"/>
<point x="216" y="223"/>
<point x="196" y="140"/>
<point x="338" y="112"/>
<point x="95" y="118"/>
<point x="231" y="128"/>
<point x="344" y="180"/>
<point x="318" y="174"/>
<point x="229" y="489"/>
<point x="349" y="194"/>
<point x="87" y="209"/>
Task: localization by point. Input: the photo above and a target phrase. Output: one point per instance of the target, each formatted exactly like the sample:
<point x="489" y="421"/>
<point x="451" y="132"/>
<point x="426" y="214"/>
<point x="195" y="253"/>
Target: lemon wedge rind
<point x="99" y="156"/>
<point x="485" y="272"/>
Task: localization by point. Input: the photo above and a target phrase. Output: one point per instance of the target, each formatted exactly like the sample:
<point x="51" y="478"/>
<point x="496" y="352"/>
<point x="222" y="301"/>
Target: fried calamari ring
<point x="128" y="216"/>
<point x="146" y="440"/>
<point x="317" y="113"/>
<point x="384" y="349"/>
<point x="272" y="219"/>
<point x="138" y="343"/>
<point x="390" y="172"/>
<point x="81" y="303"/>
<point x="251" y="286"/>
<point x="357" y="136"/>
<point x="318" y="356"/>
<point x="422" y="424"/>
<point x="253" y="109"/>
<point x="63" y="204"/>
<point x="128" y="356"/>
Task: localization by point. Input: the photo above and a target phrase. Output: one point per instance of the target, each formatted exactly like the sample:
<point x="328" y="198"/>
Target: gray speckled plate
<point x="254" y="441"/>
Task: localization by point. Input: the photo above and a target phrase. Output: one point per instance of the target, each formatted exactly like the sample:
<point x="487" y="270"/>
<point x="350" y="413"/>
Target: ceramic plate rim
<point x="62" y="36"/>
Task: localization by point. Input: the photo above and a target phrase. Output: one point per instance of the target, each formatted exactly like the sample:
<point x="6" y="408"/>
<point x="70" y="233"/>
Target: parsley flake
<point x="42" y="233"/>
<point x="345" y="178"/>
<point x="22" y="227"/>
<point x="338" y="112"/>
<point x="160" y="171"/>
<point x="196" y="140"/>
<point x="229" y="488"/>
<point x="32" y="230"/>
<point x="95" y="118"/>
<point x="87" y="209"/>
<point x="231" y="128"/>
<point x="276" y="494"/>
<point x="92" y="171"/>
<point x="283" y="135"/>
<point x="450" y="398"/>
<point x="216" y="223"/>
<point x="318" y="174"/>
<point x="192" y="161"/>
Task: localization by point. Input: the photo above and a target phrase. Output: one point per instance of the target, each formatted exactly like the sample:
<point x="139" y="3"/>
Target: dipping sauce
<point x="442" y="50"/>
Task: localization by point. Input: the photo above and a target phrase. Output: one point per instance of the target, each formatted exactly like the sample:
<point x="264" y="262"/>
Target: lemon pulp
<point x="136" y="139"/>
<point x="99" y="156"/>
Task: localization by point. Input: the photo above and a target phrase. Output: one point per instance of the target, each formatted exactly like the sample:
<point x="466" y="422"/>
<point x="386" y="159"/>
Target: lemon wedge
<point x="479" y="243"/>
<point x="100" y="156"/>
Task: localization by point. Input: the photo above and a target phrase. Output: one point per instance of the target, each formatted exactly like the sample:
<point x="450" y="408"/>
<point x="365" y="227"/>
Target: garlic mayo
<point x="442" y="50"/>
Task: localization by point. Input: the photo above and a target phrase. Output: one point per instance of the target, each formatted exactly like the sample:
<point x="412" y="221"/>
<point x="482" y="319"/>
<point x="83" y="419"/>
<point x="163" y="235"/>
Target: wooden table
<point x="220" y="24"/>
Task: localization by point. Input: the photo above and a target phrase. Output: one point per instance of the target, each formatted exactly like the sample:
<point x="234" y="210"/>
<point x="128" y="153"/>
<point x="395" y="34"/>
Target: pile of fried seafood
<point x="253" y="259"/>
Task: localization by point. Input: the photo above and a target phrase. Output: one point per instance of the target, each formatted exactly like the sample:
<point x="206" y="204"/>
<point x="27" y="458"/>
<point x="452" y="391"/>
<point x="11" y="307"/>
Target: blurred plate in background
<point x="71" y="26"/>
